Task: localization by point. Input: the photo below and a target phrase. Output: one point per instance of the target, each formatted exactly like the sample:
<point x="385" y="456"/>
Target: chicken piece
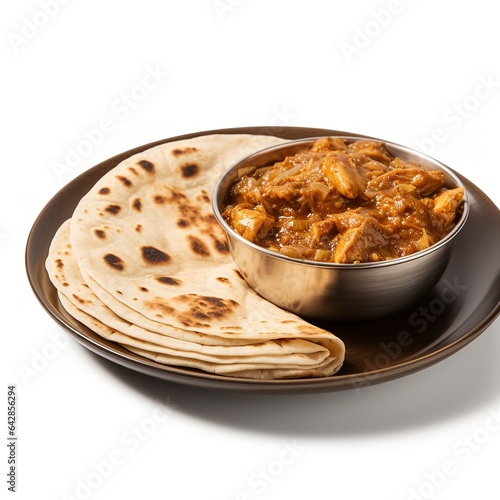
<point x="360" y="244"/>
<point x="282" y="199"/>
<point x="373" y="149"/>
<point x="348" y="219"/>
<point x="424" y="241"/>
<point x="286" y="190"/>
<point x="443" y="208"/>
<point x="426" y="182"/>
<point x="328" y="144"/>
<point x="253" y="225"/>
<point x="322" y="233"/>
<point x="368" y="167"/>
<point x="241" y="190"/>
<point x="343" y="175"/>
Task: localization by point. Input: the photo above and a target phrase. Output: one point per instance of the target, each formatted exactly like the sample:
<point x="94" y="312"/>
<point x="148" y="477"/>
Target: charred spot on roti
<point x="147" y="166"/>
<point x="307" y="330"/>
<point x="138" y="228"/>
<point x="210" y="226"/>
<point x="239" y="274"/>
<point x="113" y="209"/>
<point x="223" y="280"/>
<point x="154" y="256"/>
<point x="137" y="204"/>
<point x="159" y="199"/>
<point x="118" y="292"/>
<point x="189" y="170"/>
<point x="100" y="234"/>
<point x="210" y="220"/>
<point x="190" y="323"/>
<point x="205" y="307"/>
<point x="193" y="310"/>
<point x="199" y="315"/>
<point x="160" y="306"/>
<point x="59" y="264"/>
<point x="182" y="223"/>
<point x="177" y="195"/>
<point x="80" y="300"/>
<point x="237" y="328"/>
<point x="204" y="196"/>
<point x="170" y="195"/>
<point x="283" y="342"/>
<point x="190" y="213"/>
<point x="219" y="301"/>
<point x="143" y="289"/>
<point x="198" y="247"/>
<point x="114" y="262"/>
<point x="104" y="190"/>
<point x="221" y="246"/>
<point x="167" y="280"/>
<point x="126" y="182"/>
<point x="65" y="284"/>
<point x="133" y="170"/>
<point x="182" y="151"/>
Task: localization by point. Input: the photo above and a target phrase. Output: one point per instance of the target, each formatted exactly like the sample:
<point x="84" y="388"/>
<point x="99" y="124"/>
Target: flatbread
<point x="144" y="262"/>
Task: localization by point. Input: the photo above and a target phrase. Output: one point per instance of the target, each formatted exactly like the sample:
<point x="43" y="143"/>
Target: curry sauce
<point x="343" y="202"/>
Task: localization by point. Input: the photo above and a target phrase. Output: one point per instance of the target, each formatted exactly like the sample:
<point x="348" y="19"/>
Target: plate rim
<point x="207" y="380"/>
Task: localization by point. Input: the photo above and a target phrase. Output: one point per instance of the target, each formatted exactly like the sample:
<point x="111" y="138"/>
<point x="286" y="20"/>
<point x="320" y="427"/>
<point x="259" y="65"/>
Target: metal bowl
<point x="329" y="290"/>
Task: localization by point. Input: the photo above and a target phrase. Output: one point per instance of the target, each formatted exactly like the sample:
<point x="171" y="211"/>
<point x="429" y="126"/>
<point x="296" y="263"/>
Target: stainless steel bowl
<point x="329" y="290"/>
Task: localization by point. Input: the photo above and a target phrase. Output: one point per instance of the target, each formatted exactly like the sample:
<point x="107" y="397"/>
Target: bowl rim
<point x="334" y="265"/>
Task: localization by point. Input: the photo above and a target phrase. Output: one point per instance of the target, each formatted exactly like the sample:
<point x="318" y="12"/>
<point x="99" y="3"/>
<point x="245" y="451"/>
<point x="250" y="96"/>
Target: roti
<point x="144" y="263"/>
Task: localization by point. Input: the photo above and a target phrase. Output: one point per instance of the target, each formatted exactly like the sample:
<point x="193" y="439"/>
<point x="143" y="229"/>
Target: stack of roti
<point x="143" y="262"/>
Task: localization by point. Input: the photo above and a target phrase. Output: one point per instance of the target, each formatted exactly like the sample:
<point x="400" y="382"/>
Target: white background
<point x="413" y="72"/>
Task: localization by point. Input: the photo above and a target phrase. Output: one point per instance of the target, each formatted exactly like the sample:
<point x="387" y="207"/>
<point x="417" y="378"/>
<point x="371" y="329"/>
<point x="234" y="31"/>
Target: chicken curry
<point x="343" y="202"/>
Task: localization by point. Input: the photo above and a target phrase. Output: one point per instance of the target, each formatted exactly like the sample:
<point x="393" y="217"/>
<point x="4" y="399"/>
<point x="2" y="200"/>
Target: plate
<point x="458" y="309"/>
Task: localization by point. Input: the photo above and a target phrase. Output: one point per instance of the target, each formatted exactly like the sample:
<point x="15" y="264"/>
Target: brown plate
<point x="459" y="308"/>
